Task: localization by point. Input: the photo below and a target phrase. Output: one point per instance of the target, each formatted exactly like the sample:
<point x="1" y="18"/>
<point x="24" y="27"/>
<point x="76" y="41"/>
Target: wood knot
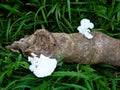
<point x="43" y="44"/>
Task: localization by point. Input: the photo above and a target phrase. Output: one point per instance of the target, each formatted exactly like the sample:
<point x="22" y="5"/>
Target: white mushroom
<point x="84" y="27"/>
<point x="43" y="66"/>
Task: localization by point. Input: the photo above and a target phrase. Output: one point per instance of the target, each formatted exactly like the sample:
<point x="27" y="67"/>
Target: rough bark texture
<point x="73" y="47"/>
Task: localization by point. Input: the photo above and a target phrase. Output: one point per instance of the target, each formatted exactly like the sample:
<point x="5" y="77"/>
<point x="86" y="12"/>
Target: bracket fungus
<point x="84" y="28"/>
<point x="43" y="66"/>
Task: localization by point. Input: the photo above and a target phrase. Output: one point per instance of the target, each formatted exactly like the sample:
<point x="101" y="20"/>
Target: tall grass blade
<point x="70" y="74"/>
<point x="22" y="23"/>
<point x="75" y="86"/>
<point x="52" y="10"/>
<point x="8" y="31"/>
<point x="10" y="85"/>
<point x="68" y="23"/>
<point x="69" y="9"/>
<point x="7" y="7"/>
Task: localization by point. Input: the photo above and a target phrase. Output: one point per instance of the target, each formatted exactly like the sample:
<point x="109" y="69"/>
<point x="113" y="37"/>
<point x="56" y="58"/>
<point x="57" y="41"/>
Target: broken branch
<point x="73" y="47"/>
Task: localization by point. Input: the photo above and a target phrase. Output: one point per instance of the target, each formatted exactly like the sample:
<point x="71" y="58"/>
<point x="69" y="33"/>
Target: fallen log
<point x="75" y="48"/>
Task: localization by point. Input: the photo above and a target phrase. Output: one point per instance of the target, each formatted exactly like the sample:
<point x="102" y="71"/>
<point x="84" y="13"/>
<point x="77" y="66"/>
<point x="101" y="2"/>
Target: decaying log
<point x="73" y="47"/>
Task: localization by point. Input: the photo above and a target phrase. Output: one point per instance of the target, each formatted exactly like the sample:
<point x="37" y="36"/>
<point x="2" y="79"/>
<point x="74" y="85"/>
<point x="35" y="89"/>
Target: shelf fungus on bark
<point x="75" y="48"/>
<point x="84" y="28"/>
<point x="42" y="66"/>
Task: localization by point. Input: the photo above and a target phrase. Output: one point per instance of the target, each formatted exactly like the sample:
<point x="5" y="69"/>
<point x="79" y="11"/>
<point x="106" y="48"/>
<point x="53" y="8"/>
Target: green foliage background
<point x="22" y="17"/>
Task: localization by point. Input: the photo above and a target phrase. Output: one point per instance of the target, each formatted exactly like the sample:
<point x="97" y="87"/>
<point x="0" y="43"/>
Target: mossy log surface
<point x="75" y="48"/>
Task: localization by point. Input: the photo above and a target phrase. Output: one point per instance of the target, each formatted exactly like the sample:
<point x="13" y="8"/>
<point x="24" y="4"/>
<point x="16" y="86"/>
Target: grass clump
<point x="19" y="18"/>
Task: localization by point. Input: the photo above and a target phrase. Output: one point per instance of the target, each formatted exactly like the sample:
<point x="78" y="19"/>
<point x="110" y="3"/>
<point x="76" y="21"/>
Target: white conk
<point x="43" y="66"/>
<point x="84" y="28"/>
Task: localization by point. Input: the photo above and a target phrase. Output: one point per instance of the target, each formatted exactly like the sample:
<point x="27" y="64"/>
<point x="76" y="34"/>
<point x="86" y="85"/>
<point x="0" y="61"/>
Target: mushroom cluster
<point x="43" y="66"/>
<point x="84" y="28"/>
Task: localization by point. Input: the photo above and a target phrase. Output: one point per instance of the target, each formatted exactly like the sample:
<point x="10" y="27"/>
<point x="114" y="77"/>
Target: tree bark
<point x="75" y="48"/>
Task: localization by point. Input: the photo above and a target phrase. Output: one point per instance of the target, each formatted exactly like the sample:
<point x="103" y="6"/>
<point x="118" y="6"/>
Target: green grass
<point x="19" y="18"/>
